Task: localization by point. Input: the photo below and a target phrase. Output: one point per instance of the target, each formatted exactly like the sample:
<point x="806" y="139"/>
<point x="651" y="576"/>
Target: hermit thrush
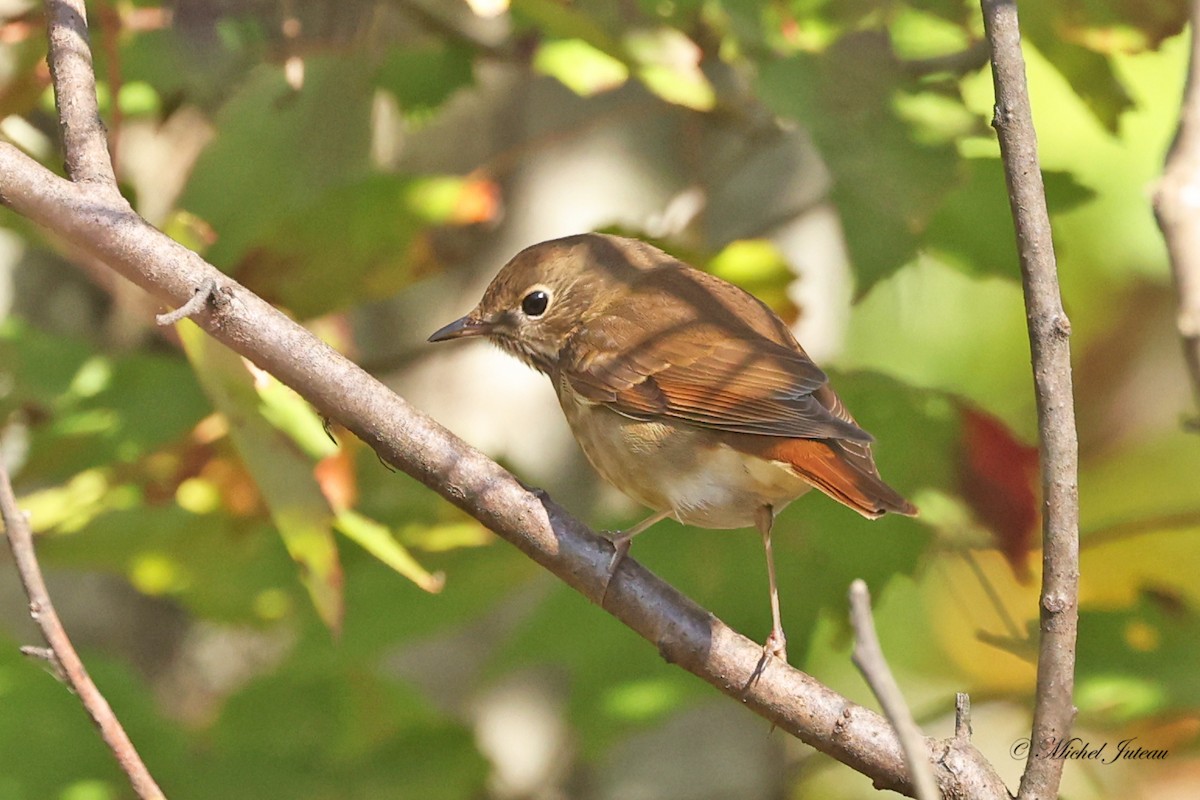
<point x="685" y="392"/>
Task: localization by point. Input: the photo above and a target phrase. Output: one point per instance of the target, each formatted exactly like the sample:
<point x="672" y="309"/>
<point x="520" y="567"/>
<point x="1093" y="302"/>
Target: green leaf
<point x="939" y="343"/>
<point x="579" y="66"/>
<point x="668" y="63"/>
<point x="221" y="568"/>
<point x="568" y="22"/>
<point x="61" y="753"/>
<point x="283" y="473"/>
<point x="757" y="266"/>
<point x="1091" y="75"/>
<point x="423" y="78"/>
<point x="301" y="734"/>
<point x="277" y="149"/>
<point x="377" y="540"/>
<point x="85" y="408"/>
<point x="887" y="185"/>
<point x="1138" y="662"/>
<point x="369" y="228"/>
<point x="973" y="229"/>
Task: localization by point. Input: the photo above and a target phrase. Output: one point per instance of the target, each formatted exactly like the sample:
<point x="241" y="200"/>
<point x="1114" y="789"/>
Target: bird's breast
<point x="672" y="466"/>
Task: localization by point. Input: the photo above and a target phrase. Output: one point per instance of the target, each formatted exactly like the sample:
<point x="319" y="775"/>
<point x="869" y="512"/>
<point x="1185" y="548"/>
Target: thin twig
<point x="70" y="60"/>
<point x="1049" y="332"/>
<point x="192" y="307"/>
<point x="868" y="657"/>
<point x="62" y="656"/>
<point x="1177" y="207"/>
<point x="962" y="716"/>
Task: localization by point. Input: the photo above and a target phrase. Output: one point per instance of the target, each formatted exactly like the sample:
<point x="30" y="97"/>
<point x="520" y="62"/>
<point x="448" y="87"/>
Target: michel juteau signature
<point x="1081" y="750"/>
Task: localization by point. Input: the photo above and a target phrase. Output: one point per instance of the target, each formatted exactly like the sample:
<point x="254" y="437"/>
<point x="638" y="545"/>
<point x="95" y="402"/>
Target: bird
<point x="684" y="391"/>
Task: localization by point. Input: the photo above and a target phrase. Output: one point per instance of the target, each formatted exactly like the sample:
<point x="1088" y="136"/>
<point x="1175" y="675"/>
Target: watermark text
<point x="1077" y="749"/>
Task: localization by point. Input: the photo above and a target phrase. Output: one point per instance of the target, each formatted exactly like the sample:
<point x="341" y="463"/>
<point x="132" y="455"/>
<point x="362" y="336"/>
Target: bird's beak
<point x="461" y="328"/>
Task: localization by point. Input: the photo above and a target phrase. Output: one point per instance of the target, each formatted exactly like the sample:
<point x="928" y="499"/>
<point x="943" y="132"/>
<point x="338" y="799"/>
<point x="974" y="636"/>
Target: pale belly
<point x="664" y="467"/>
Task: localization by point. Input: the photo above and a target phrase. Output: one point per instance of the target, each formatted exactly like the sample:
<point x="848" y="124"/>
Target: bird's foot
<point x="620" y="543"/>
<point x="776" y="645"/>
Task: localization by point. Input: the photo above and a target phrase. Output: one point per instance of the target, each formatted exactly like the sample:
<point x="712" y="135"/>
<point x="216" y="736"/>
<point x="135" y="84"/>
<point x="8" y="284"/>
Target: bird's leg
<point x="621" y="541"/>
<point x="776" y="643"/>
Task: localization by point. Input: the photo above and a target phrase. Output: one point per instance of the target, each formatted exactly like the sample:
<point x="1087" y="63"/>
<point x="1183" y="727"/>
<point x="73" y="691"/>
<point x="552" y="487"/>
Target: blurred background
<point x="276" y="616"/>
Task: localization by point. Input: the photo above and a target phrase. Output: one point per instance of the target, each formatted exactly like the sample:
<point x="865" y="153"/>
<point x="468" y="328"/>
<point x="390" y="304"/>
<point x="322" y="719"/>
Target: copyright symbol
<point x="1019" y="749"/>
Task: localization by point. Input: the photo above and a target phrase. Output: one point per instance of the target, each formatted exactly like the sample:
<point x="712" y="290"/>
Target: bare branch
<point x="1049" y="332"/>
<point x="1177" y="207"/>
<point x="868" y="657"/>
<point x="70" y="60"/>
<point x="61" y="655"/>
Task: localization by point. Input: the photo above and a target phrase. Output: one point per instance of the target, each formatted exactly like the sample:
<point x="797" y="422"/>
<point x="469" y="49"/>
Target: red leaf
<point x="998" y="479"/>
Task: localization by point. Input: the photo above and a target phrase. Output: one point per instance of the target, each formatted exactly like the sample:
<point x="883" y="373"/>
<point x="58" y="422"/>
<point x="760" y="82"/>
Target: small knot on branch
<point x="1000" y="116"/>
<point x="1055" y="602"/>
<point x="204" y="292"/>
<point x="1060" y="326"/>
<point x="48" y="655"/>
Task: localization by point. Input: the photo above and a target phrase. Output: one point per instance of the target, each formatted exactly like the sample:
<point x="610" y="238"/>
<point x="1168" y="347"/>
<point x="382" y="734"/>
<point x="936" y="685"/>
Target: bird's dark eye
<point x="534" y="304"/>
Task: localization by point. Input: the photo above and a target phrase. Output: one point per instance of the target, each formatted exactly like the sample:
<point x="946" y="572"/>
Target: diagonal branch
<point x="61" y="654"/>
<point x="1177" y="207"/>
<point x="1049" y="332"/>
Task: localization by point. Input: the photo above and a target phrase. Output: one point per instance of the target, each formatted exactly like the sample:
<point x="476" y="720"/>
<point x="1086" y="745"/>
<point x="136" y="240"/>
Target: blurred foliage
<point x="284" y="133"/>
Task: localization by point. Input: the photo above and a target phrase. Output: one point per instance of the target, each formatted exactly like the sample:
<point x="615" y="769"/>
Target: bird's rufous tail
<point x="843" y="470"/>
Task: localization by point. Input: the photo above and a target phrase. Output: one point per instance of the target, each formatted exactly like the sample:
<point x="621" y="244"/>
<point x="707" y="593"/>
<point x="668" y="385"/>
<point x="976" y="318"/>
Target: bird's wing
<point x="694" y="372"/>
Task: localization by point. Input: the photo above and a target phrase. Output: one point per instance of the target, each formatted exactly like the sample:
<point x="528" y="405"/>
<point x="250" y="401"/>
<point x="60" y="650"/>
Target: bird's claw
<point x="776" y="645"/>
<point x="620" y="550"/>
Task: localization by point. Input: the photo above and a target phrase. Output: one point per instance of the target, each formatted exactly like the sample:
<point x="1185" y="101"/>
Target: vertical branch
<point x="70" y="58"/>
<point x="62" y="654"/>
<point x="1177" y="207"/>
<point x="1049" y="332"/>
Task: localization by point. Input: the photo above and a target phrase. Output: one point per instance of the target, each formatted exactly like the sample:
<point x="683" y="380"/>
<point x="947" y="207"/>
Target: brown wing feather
<point x="696" y="373"/>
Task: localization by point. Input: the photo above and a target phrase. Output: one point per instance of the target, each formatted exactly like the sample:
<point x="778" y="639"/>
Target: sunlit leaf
<point x="377" y="540"/>
<point x="669" y="65"/>
<point x="84" y="408"/>
<point x="1121" y="26"/>
<point x="759" y="268"/>
<point x="580" y="67"/>
<point x="1090" y="74"/>
<point x="887" y="186"/>
<point x="284" y="474"/>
